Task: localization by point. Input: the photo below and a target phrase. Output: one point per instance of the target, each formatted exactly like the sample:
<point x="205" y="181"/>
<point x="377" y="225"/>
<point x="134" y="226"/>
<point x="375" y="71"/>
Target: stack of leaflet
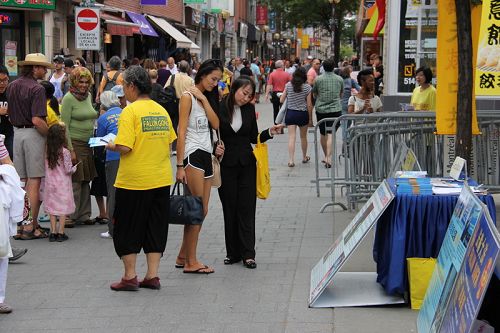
<point x="414" y="186"/>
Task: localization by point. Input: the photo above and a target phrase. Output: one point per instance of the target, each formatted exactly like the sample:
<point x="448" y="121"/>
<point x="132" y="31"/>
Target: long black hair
<point x="207" y="67"/>
<point x="299" y="77"/>
<point x="241" y="82"/>
<point x="49" y="94"/>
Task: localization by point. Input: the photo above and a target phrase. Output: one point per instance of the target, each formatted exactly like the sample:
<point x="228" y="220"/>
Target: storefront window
<point x="418" y="40"/>
<point x="11" y="46"/>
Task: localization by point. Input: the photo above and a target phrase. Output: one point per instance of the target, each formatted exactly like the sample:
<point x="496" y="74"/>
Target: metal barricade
<point x="370" y="142"/>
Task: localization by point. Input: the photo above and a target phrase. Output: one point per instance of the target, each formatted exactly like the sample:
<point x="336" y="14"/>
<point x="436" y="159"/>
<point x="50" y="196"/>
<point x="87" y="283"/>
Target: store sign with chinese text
<point x="191" y="2"/>
<point x="488" y="55"/>
<point x="37" y="4"/>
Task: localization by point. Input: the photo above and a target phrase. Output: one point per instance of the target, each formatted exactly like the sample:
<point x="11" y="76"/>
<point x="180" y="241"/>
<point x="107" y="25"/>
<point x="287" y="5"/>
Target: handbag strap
<point x="178" y="188"/>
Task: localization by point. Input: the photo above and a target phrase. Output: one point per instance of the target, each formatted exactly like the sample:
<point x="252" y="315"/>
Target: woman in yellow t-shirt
<point x="143" y="181"/>
<point x="52" y="104"/>
<point x="424" y="96"/>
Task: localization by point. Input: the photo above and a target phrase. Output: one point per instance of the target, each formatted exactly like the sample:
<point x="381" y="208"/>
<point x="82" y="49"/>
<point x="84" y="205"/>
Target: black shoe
<point x="52" y="237"/>
<point x="17" y="253"/>
<point x="231" y="260"/>
<point x="62" y="237"/>
<point x="250" y="263"/>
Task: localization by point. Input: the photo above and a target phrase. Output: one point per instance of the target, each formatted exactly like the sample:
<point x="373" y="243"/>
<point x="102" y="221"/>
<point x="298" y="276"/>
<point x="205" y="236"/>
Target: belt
<point x="25" y="126"/>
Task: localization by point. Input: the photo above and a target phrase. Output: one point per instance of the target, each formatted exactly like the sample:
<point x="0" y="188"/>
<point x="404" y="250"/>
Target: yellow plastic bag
<point x="263" y="176"/>
<point x="419" y="275"/>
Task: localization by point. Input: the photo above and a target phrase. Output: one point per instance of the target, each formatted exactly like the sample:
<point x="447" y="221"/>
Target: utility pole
<point x="463" y="146"/>
<point x="332" y="26"/>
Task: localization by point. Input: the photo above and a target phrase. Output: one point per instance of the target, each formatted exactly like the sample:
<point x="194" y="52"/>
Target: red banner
<point x="261" y="18"/>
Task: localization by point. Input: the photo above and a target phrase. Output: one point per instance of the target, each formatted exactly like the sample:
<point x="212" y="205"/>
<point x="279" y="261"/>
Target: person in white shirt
<point x="171" y="66"/>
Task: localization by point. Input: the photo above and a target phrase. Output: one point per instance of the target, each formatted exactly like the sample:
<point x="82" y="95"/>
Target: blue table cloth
<point x="412" y="226"/>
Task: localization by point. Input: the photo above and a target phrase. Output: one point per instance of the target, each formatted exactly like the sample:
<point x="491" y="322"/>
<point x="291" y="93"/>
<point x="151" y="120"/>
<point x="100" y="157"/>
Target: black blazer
<point x="238" y="148"/>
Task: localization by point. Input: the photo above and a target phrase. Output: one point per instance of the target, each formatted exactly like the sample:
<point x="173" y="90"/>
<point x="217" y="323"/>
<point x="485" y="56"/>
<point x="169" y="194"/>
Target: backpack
<point x="171" y="100"/>
<point x="111" y="83"/>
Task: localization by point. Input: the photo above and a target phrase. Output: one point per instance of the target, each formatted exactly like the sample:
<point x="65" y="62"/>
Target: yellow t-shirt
<point x="424" y="100"/>
<point x="145" y="127"/>
<point x="52" y="117"/>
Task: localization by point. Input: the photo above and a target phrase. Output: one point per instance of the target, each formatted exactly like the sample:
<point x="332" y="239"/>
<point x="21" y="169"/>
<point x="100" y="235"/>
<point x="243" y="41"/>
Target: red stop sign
<point x="87" y="20"/>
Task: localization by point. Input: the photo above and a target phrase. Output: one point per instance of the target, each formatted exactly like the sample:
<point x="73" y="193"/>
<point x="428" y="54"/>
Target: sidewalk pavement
<point x="64" y="287"/>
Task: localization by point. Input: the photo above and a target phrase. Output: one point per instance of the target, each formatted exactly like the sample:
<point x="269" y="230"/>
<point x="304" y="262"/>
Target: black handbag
<point x="185" y="209"/>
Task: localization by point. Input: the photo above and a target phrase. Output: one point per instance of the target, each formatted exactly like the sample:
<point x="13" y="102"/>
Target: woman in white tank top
<point x="194" y="153"/>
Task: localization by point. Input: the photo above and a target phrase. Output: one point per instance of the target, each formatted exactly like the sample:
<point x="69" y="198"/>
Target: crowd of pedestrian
<point x="159" y="110"/>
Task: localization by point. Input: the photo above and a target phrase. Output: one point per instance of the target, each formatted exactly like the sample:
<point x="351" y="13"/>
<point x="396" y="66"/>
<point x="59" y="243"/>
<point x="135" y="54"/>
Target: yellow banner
<point x="305" y="42"/>
<point x="488" y="56"/>
<point x="447" y="69"/>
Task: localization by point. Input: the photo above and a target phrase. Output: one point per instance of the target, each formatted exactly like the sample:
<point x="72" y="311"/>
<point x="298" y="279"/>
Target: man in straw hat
<point x="27" y="112"/>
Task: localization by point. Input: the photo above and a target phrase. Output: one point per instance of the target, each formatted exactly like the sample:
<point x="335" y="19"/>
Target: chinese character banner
<point x="488" y="55"/>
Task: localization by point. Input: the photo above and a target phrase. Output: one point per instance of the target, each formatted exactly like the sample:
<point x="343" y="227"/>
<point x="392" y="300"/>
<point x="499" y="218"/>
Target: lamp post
<point x="332" y="25"/>
<point x="276" y="38"/>
<point x="264" y="46"/>
<point x="225" y="15"/>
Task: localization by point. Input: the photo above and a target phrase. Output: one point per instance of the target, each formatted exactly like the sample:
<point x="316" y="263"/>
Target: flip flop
<point x="199" y="271"/>
<point x="306" y="160"/>
<point x="291" y="164"/>
<point x="179" y="265"/>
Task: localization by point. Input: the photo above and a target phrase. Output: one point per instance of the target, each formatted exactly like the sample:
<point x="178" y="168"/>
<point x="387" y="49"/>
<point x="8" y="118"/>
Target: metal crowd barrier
<point x="370" y="142"/>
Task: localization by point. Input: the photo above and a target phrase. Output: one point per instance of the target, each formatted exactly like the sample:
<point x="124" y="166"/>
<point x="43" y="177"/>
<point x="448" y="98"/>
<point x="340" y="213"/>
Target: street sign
<point x="87" y="28"/>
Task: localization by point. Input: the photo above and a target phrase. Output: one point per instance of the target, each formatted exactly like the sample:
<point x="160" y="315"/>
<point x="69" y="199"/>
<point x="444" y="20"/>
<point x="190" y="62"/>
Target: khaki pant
<point x="81" y="194"/>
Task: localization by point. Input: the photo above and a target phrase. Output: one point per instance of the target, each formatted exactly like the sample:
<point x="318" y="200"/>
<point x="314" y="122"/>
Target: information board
<point x="344" y="246"/>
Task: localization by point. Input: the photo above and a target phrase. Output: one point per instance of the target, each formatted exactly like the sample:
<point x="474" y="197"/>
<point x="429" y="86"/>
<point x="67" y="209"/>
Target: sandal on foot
<point x="291" y="164"/>
<point x="28" y="235"/>
<point x="178" y="265"/>
<point x="306" y="160"/>
<point x="250" y="263"/>
<point x="201" y="270"/>
<point x="100" y="220"/>
<point x="231" y="260"/>
<point x="328" y="165"/>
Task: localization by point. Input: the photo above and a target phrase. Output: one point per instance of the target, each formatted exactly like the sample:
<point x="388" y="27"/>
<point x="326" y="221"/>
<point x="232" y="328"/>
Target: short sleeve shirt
<point x="26" y="99"/>
<point x="327" y="89"/>
<point x="424" y="100"/>
<point x="145" y="127"/>
<point x="278" y="79"/>
<point x="297" y="100"/>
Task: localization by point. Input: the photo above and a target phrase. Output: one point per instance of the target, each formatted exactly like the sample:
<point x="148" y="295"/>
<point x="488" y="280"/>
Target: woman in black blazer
<point x="238" y="193"/>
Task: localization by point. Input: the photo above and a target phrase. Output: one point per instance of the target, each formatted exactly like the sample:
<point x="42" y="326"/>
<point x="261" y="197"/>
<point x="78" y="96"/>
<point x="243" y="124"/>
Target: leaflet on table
<point x="351" y="237"/>
<point x="102" y="141"/>
<point x="467" y="213"/>
<point x="473" y="278"/>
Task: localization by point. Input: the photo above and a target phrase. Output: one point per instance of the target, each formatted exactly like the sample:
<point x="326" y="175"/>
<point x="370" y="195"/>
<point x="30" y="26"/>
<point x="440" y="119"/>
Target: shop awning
<point x="182" y="40"/>
<point x="118" y="26"/>
<point x="144" y="25"/>
<point x="195" y="48"/>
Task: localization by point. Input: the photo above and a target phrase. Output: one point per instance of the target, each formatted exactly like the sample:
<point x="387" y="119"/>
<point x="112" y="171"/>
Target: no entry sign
<point x="87" y="28"/>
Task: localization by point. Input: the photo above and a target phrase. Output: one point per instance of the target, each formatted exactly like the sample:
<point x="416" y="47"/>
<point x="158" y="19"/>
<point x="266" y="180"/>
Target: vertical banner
<point x="447" y="71"/>
<point x="305" y="41"/>
<point x="488" y="55"/>
<point x="261" y="17"/>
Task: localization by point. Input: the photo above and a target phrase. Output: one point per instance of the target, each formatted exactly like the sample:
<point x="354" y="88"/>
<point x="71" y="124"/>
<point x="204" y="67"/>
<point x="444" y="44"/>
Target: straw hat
<point x="36" y="59"/>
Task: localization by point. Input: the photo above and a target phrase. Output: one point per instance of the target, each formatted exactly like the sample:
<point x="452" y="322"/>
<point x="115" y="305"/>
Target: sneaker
<point x="106" y="235"/>
<point x="4" y="308"/>
<point x="17" y="253"/>
<point x="52" y="237"/>
<point x="62" y="237"/>
<point x="126" y="285"/>
<point x="153" y="283"/>
<point x="44" y="218"/>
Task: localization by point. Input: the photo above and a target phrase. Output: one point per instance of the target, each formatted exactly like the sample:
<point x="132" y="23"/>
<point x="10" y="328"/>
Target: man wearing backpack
<point x="112" y="77"/>
<point x="177" y="83"/>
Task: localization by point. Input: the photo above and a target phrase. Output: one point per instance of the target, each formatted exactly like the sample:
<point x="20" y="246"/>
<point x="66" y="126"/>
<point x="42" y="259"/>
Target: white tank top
<point x="57" y="86"/>
<point x="198" y="131"/>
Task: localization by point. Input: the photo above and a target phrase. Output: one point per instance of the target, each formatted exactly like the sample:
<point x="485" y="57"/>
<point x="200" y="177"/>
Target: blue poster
<point x="468" y="211"/>
<point x="473" y="279"/>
